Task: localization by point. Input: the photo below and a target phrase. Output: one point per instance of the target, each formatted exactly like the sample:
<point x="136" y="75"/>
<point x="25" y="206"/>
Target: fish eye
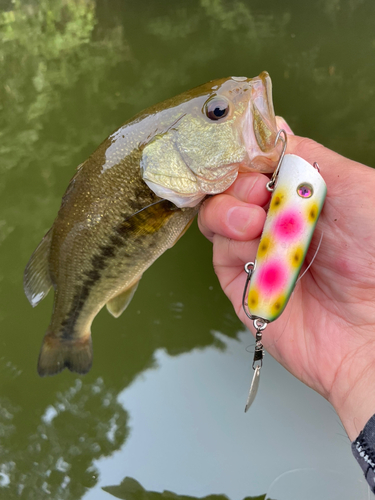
<point x="217" y="108"/>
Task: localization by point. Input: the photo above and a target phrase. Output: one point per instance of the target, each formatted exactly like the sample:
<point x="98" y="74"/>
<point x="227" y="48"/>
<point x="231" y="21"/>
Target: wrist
<point x="353" y="395"/>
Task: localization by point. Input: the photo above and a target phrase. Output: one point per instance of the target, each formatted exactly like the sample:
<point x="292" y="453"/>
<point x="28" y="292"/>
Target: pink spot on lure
<point x="272" y="277"/>
<point x="289" y="226"/>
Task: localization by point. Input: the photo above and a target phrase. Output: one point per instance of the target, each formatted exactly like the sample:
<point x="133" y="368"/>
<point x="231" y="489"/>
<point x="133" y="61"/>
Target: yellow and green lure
<point x="298" y="196"/>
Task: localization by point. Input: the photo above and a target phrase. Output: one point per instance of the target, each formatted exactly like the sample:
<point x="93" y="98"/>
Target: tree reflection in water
<point x="130" y="489"/>
<point x="84" y="423"/>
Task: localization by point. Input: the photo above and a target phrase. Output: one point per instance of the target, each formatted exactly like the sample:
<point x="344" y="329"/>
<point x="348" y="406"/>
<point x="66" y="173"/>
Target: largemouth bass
<point x="135" y="196"/>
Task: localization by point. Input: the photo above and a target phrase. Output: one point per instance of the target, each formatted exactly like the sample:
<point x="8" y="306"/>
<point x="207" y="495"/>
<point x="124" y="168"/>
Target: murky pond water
<point x="162" y="408"/>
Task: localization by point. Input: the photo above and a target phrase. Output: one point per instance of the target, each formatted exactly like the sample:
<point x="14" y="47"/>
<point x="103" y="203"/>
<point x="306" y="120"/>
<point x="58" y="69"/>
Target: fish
<point x="135" y="196"/>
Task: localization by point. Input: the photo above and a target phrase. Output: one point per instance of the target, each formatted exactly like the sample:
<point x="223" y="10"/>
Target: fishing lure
<point x="298" y="194"/>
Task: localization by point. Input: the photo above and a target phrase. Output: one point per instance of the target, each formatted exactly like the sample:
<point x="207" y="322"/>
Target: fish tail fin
<point x="58" y="353"/>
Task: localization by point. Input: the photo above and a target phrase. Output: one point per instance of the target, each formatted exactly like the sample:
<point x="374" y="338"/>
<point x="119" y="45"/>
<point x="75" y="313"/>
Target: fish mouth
<point x="260" y="128"/>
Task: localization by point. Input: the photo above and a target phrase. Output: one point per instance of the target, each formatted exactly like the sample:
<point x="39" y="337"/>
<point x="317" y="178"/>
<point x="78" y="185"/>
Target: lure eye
<point x="217" y="108"/>
<point x="305" y="190"/>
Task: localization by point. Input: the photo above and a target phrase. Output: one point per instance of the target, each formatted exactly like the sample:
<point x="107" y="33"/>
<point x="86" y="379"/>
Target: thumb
<point x="336" y="169"/>
<point x="308" y="149"/>
<point x="282" y="125"/>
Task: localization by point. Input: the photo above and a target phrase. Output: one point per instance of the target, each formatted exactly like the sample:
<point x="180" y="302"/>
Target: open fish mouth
<point x="260" y="128"/>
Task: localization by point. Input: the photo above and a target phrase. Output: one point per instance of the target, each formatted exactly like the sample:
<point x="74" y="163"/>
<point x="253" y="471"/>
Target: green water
<point x="71" y="72"/>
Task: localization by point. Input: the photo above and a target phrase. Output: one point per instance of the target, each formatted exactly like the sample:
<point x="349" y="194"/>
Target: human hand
<point x="326" y="335"/>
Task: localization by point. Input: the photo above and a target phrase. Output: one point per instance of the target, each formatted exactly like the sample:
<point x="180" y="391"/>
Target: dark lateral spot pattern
<point x="144" y="223"/>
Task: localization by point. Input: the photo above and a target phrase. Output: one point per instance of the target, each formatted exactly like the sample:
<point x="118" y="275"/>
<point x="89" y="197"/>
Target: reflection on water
<point x="189" y="433"/>
<point x="71" y="72"/>
<point x="83" y="423"/>
<point x="130" y="489"/>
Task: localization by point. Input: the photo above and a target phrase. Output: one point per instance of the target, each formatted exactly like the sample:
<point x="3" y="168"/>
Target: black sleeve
<point x="363" y="449"/>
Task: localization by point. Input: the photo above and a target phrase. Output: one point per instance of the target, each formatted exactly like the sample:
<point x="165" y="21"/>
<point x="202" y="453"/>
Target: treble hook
<point x="271" y="184"/>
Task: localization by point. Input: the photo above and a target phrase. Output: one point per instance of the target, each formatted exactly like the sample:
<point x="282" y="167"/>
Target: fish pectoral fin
<point x="37" y="280"/>
<point x="118" y="304"/>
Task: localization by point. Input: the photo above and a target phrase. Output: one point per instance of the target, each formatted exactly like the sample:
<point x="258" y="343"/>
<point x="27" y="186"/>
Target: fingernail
<point x="239" y="218"/>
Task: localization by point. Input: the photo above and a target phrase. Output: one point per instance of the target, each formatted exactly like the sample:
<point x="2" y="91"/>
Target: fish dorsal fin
<point x="36" y="279"/>
<point x="118" y="304"/>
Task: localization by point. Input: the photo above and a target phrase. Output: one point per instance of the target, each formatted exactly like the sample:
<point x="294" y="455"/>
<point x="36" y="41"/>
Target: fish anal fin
<point x="36" y="280"/>
<point x="57" y="353"/>
<point x="117" y="305"/>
